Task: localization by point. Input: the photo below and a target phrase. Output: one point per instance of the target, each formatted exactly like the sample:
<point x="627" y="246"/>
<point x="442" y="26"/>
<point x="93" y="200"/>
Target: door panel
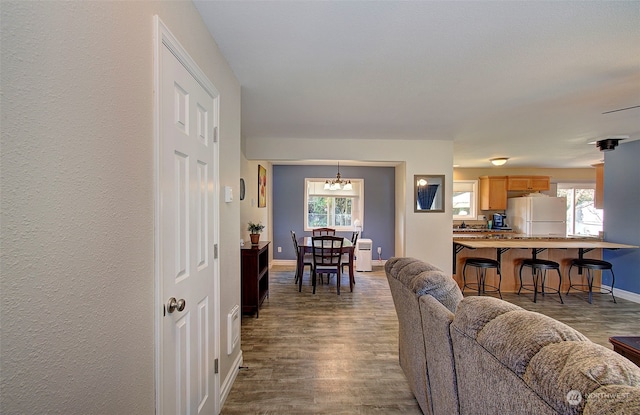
<point x="187" y="223"/>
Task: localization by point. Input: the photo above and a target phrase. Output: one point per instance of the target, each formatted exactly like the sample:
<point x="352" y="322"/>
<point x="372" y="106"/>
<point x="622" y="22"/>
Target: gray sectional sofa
<point x="482" y="355"/>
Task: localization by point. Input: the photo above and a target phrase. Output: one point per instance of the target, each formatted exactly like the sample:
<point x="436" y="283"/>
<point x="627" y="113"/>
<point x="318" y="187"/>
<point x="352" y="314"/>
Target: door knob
<point x="174" y="305"/>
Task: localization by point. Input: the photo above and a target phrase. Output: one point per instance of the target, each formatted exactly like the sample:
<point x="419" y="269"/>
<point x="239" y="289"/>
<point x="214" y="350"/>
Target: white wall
<point x="77" y="253"/>
<point x="426" y="236"/>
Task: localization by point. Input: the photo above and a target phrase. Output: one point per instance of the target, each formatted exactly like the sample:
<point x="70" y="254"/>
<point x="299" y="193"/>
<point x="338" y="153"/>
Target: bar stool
<point x="481" y="265"/>
<point x="591" y="265"/>
<point x="539" y="268"/>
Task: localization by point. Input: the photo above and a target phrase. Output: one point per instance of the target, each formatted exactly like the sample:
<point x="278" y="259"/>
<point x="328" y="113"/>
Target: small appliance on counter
<point x="500" y="222"/>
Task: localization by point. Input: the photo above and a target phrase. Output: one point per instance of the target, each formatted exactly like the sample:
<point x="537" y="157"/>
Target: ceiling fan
<point x="621" y="109"/>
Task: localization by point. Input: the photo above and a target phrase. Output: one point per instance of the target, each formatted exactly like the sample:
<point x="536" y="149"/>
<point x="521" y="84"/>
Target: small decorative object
<point x="255" y="229"/>
<point x="262" y="187"/>
<point x="242" y="189"/>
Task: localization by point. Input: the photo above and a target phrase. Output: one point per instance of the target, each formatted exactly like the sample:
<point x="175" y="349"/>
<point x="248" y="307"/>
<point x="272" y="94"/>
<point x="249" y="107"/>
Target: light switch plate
<point x="228" y="194"/>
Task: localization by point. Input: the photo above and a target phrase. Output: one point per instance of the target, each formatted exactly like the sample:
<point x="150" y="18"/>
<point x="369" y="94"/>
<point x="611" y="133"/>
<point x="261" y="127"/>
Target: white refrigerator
<point x="538" y="216"/>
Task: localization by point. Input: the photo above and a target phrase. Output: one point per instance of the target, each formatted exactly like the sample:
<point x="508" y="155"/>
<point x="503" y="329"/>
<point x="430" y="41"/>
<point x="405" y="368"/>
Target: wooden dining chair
<point x="345" y="257"/>
<point x="308" y="260"/>
<point x="327" y="257"/>
<point x="323" y="231"/>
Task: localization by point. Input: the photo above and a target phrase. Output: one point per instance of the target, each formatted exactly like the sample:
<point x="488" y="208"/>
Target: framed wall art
<point x="262" y="187"/>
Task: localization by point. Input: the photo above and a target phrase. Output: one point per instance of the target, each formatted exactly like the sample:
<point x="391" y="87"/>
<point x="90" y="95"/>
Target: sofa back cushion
<point x="423" y="278"/>
<point x="551" y="358"/>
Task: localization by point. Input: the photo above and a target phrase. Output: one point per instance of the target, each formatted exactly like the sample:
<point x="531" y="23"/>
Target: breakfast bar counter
<point x="511" y="250"/>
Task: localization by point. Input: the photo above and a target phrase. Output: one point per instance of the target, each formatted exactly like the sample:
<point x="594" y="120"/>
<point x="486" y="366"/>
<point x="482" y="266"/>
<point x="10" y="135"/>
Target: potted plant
<point x="255" y="229"/>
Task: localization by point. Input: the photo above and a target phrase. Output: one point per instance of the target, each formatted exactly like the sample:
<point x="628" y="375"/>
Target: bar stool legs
<point x="481" y="265"/>
<point x="591" y="265"/>
<point x="539" y="269"/>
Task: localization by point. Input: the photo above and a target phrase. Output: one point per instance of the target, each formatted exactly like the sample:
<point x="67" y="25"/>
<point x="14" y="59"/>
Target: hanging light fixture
<point x="338" y="183"/>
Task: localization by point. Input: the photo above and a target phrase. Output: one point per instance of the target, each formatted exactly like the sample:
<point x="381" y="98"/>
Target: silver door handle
<point x="174" y="305"/>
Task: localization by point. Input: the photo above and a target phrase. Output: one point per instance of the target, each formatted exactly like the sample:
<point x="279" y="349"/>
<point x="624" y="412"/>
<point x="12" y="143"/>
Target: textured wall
<point x="77" y="248"/>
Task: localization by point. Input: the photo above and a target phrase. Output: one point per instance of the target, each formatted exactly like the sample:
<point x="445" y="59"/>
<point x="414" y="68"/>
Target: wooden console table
<point x="255" y="276"/>
<point x="628" y="347"/>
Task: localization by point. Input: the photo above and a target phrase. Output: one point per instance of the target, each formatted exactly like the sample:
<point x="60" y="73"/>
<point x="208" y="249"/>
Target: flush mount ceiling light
<point x="338" y="183"/>
<point x="498" y="161"/>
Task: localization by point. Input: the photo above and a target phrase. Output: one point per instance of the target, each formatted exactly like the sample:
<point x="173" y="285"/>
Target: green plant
<point x="255" y="227"/>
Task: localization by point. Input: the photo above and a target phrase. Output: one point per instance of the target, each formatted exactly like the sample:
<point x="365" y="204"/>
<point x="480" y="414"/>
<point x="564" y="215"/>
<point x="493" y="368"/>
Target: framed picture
<point x="262" y="187"/>
<point x="428" y="193"/>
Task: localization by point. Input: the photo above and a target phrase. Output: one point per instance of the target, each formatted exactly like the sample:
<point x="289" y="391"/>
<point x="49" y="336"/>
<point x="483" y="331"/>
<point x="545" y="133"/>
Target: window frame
<point x="357" y="205"/>
<point x="573" y="186"/>
<point x="473" y="214"/>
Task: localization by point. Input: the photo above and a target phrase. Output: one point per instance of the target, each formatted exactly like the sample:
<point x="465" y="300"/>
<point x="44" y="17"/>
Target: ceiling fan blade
<point x="621" y="109"/>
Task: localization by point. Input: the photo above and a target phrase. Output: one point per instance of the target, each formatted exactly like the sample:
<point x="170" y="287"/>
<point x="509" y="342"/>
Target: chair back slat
<point x="323" y="231"/>
<point x="327" y="251"/>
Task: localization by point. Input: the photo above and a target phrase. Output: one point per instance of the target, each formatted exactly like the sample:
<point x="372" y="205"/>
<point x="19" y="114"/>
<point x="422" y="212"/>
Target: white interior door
<point x="188" y="383"/>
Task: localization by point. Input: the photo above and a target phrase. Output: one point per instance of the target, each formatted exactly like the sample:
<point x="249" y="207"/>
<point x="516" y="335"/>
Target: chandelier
<point x="338" y="183"/>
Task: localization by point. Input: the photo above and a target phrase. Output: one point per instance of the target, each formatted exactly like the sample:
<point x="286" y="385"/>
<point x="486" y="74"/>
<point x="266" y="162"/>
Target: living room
<point x="81" y="305"/>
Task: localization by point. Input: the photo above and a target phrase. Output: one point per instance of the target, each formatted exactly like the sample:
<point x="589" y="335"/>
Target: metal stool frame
<point x="592" y="265"/>
<point x="539" y="269"/>
<point x="481" y="265"/>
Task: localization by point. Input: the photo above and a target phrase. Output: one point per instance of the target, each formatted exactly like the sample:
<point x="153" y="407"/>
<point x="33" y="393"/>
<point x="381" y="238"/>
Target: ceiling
<point x="525" y="80"/>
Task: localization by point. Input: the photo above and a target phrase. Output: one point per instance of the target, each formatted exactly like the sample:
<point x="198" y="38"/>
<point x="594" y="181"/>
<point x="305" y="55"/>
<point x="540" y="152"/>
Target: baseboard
<point x="225" y="388"/>
<point x="292" y="262"/>
<point x="627" y="295"/>
<point x="283" y="262"/>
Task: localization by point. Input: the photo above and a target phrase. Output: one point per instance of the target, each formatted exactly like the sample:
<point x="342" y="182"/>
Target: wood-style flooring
<point x="330" y="354"/>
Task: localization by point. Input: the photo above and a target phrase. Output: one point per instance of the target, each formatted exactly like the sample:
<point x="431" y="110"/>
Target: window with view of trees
<point x="464" y="199"/>
<point x="582" y="216"/>
<point x="336" y="209"/>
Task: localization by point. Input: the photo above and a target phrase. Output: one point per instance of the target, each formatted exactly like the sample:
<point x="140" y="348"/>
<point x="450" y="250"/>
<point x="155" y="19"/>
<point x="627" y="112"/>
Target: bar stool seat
<point x="539" y="268"/>
<point x="592" y="265"/>
<point x="481" y="265"/>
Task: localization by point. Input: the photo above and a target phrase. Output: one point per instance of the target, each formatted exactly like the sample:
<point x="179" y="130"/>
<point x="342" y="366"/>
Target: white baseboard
<point x="292" y="262"/>
<point x="225" y="388"/>
<point x="627" y="295"/>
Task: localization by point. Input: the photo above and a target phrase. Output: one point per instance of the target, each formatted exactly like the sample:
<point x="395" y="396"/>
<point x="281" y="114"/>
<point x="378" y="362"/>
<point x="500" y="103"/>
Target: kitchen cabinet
<point x="493" y="192"/>
<point x="598" y="202"/>
<point x="530" y="183"/>
<point x="255" y="276"/>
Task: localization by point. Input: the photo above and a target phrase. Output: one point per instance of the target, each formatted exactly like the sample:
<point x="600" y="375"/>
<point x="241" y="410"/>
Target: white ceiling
<point x="526" y="80"/>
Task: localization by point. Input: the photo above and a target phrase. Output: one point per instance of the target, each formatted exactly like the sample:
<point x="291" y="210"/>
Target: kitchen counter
<point x="511" y="250"/>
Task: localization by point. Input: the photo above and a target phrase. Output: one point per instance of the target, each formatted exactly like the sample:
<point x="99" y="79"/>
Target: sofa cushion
<point x="613" y="399"/>
<point x="473" y="313"/>
<point x="423" y="278"/>
<point x="516" y="336"/>
<point x="582" y="366"/>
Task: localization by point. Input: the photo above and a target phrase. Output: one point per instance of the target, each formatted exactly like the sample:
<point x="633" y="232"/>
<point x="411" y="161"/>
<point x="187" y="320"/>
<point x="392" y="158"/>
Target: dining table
<point x="305" y="245"/>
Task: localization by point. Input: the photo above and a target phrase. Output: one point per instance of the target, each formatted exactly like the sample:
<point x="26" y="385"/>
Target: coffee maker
<point x="499" y="221"/>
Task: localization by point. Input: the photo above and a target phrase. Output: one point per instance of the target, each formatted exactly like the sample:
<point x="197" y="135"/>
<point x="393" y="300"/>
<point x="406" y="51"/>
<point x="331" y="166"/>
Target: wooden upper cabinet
<point x="524" y="183"/>
<point x="598" y="202"/>
<point x="493" y="192"/>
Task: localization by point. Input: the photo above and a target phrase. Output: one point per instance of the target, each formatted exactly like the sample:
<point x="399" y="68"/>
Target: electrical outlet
<point x="279" y="249"/>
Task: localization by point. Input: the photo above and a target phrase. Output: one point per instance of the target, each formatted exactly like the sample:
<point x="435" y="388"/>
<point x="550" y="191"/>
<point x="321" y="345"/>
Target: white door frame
<point x="164" y="38"/>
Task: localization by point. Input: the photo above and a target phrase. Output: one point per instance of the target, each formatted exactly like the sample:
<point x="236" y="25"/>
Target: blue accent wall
<point x="622" y="214"/>
<point x="288" y="205"/>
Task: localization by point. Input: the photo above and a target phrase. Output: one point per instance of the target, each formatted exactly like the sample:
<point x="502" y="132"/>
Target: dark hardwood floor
<point x="330" y="354"/>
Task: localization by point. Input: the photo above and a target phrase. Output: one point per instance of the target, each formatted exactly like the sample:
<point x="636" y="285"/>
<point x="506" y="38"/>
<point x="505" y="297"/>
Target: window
<point x="582" y="217"/>
<point x="464" y="199"/>
<point x="336" y="209"/>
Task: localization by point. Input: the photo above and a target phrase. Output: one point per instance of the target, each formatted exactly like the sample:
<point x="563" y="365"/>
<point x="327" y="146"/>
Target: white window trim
<point x="474" y="216"/>
<point x="357" y="206"/>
